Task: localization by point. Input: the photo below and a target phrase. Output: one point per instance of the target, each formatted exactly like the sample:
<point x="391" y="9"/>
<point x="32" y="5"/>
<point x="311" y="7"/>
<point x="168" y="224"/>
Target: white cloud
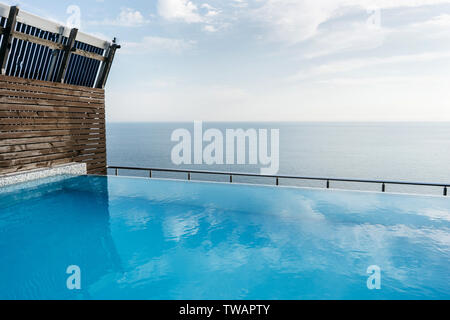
<point x="239" y="3"/>
<point x="442" y="20"/>
<point x="294" y="21"/>
<point x="209" y="28"/>
<point x="210" y="10"/>
<point x="207" y="6"/>
<point x="436" y="27"/>
<point x="384" y="80"/>
<point x="130" y="17"/>
<point x="297" y="20"/>
<point x="433" y="32"/>
<point x="150" y="45"/>
<point x="188" y="12"/>
<point x="354" y="64"/>
<point x="183" y="10"/>
<point x="353" y="37"/>
<point x="127" y="18"/>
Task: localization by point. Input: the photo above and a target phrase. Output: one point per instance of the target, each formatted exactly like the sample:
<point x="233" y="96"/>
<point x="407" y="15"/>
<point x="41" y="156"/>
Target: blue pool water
<point x="160" y="239"/>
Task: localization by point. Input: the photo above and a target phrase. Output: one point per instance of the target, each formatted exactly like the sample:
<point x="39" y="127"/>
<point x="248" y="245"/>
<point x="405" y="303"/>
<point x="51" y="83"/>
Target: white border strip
<point x="71" y="168"/>
<point x="51" y="26"/>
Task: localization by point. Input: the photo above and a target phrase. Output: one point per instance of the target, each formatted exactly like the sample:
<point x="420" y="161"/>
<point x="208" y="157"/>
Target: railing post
<point x="231" y="178"/>
<point x="5" y="46"/>
<point x="278" y="181"/>
<point x="383" y="187"/>
<point x="189" y="176"/>
<point x="328" y="184"/>
<point x="150" y="174"/>
<point x="445" y="190"/>
<point x="117" y="172"/>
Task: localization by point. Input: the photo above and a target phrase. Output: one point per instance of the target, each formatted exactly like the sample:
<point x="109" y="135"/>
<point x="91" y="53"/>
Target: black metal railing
<point x="277" y="178"/>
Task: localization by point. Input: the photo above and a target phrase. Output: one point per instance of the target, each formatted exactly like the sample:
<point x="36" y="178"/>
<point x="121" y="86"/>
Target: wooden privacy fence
<point x="44" y="124"/>
<point x="35" y="48"/>
<point x="52" y="100"/>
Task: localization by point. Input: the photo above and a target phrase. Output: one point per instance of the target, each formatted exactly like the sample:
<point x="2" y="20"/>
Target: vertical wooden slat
<point x="101" y="72"/>
<point x="106" y="67"/>
<point x="66" y="56"/>
<point x="54" y="56"/>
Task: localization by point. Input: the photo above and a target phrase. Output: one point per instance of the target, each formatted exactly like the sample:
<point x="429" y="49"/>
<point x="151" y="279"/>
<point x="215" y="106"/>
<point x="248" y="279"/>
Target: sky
<point x="270" y="60"/>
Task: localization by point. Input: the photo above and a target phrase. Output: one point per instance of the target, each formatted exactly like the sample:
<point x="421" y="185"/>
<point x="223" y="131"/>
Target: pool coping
<point x="73" y="168"/>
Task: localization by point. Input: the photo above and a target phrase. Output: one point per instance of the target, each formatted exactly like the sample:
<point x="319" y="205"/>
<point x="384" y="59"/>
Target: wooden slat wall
<point x="44" y="124"/>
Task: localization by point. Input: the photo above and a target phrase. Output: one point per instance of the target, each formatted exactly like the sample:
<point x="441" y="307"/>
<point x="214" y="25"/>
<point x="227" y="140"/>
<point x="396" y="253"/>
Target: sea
<point x="401" y="151"/>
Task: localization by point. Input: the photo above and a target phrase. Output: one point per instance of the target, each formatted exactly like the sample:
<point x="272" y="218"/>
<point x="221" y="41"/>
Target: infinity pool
<point x="138" y="238"/>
